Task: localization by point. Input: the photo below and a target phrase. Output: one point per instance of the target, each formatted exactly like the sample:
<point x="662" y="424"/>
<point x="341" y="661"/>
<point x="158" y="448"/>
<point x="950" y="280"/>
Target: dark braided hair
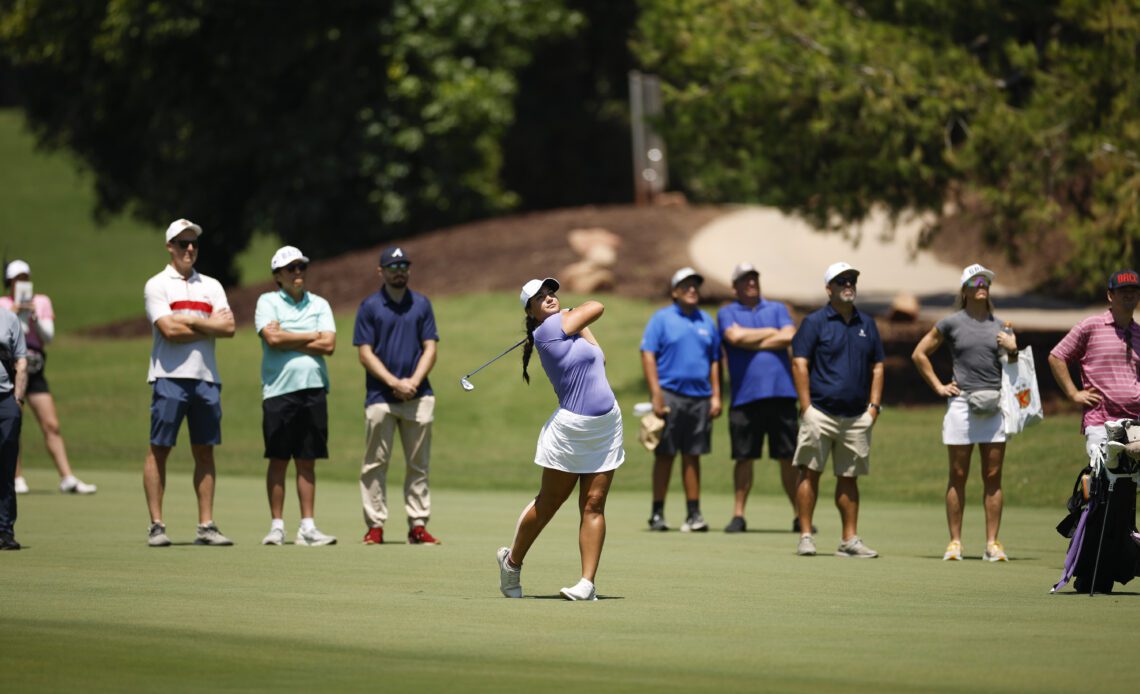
<point x="531" y="324"/>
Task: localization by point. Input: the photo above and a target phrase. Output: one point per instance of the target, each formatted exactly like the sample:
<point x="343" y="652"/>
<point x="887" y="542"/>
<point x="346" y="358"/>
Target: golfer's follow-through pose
<point x="581" y="443"/>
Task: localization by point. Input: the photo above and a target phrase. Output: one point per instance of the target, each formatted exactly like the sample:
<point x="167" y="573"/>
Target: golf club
<point x="468" y="385"/>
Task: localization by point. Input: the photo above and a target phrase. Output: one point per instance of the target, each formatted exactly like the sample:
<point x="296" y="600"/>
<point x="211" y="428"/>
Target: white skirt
<point x="579" y="444"/>
<point x="960" y="427"/>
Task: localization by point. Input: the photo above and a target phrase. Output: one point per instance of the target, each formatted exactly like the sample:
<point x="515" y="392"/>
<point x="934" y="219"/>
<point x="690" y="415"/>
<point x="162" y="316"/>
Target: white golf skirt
<point x="961" y="427"/>
<point x="579" y="444"/>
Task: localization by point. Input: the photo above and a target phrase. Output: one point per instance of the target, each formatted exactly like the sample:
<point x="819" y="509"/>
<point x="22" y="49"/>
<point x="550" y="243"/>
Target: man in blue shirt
<point x="680" y="355"/>
<point x="396" y="338"/>
<point x="756" y="334"/>
<point x="837" y="366"/>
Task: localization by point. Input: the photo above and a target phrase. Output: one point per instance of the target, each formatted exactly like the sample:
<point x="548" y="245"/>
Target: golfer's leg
<point x="204" y="480"/>
<point x="741" y="485"/>
<point x="992" y="455"/>
<point x="789" y="478"/>
<point x="556" y="488"/>
<point x="154" y="480"/>
<point x="847" y="501"/>
<point x="956" y="488"/>
<point x="380" y="431"/>
<point x="43" y="405"/>
<point x="592" y="494"/>
<point x="662" y="470"/>
<point x="275" y="487"/>
<point x="306" y="486"/>
<point x="691" y="476"/>
<point x="807" y="490"/>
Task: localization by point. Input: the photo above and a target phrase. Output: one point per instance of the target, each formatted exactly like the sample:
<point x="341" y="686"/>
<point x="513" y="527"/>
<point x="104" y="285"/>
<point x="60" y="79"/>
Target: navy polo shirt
<point x="840" y="359"/>
<point x="685" y="347"/>
<point x="396" y="333"/>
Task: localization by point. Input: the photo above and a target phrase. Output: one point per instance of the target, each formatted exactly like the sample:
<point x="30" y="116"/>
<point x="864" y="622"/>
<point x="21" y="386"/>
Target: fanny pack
<point x="984" y="403"/>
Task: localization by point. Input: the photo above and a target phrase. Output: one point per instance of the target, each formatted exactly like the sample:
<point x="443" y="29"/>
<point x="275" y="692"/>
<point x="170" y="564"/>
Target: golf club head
<point x="467" y="385"/>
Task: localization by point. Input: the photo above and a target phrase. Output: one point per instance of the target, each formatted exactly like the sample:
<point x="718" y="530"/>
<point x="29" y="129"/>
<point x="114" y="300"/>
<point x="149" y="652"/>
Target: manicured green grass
<point x="90" y="607"/>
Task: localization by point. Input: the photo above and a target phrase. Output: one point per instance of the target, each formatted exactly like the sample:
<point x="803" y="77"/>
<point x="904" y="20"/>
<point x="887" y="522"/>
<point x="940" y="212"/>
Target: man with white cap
<point x="395" y="337"/>
<point x="680" y="355"/>
<point x="756" y="334"/>
<point x="297" y="332"/>
<point x="187" y="311"/>
<point x="837" y="366"/>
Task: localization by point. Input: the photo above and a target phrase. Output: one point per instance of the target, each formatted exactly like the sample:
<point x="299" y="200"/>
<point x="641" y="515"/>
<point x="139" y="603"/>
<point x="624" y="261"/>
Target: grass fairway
<point x="90" y="607"/>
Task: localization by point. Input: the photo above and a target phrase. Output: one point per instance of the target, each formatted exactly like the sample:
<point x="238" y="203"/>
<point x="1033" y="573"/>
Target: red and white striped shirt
<point x="1109" y="357"/>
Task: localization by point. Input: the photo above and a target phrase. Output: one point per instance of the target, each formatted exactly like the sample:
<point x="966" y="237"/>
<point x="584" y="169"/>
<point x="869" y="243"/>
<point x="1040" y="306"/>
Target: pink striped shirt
<point x="1109" y="357"/>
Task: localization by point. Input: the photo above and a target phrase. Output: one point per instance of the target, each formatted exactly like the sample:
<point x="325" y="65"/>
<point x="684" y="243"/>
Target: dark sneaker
<point x="157" y="536"/>
<point x="736" y="525"/>
<point x="695" y="524"/>
<point x="796" y="527"/>
<point x="657" y="523"/>
<point x="374" y="536"/>
<point x="209" y="534"/>
<point x="7" y="542"/>
<point x="420" y="536"/>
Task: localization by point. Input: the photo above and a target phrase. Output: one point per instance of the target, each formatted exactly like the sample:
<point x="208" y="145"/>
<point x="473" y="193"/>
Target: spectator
<point x="13" y="385"/>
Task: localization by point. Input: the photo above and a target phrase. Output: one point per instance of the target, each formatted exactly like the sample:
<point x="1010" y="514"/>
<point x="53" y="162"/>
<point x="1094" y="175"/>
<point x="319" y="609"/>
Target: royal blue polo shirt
<point x="757" y="373"/>
<point x="840" y="359"/>
<point x="396" y="333"/>
<point x="685" y="347"/>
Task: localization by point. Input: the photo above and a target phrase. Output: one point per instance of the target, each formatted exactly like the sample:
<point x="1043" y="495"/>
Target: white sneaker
<point x="509" y="579"/>
<point x="276" y="536"/>
<point x="74" y="485"/>
<point x="582" y="590"/>
<point x="313" y="537"/>
<point x="855" y="548"/>
<point x="21" y="485"/>
<point x="806" y="547"/>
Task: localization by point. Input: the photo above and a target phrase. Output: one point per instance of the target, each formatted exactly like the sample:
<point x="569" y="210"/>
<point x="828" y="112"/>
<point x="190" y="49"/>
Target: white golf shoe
<point x="509" y="578"/>
<point x="582" y="590"/>
<point x="312" y="537"/>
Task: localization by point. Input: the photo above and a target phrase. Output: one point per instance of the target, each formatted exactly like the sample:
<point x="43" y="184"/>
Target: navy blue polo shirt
<point x="396" y="333"/>
<point x="840" y="359"/>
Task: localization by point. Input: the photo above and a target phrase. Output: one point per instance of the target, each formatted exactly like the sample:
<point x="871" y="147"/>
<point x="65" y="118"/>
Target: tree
<point x="831" y="107"/>
<point x="331" y="124"/>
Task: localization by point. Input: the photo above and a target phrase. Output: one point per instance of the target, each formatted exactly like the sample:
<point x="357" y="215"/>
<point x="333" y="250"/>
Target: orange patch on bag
<point x="1023" y="397"/>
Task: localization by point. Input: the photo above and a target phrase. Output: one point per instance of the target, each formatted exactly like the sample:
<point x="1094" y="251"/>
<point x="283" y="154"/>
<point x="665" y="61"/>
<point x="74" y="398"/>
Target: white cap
<point x="286" y="255"/>
<point x="835" y="270"/>
<point x="180" y="225"/>
<point x="16" y="268"/>
<point x="743" y="269"/>
<point x="977" y="269"/>
<point x="532" y="287"/>
<point x="684" y="274"/>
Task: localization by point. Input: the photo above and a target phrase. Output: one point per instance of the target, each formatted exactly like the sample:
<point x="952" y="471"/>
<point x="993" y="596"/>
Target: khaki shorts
<point x="846" y="439"/>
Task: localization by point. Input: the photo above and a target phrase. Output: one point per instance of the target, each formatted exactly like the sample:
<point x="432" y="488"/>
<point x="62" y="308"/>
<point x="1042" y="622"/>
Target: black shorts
<point x="296" y="425"/>
<point x="688" y="427"/>
<point x="37" y="382"/>
<point x="776" y="417"/>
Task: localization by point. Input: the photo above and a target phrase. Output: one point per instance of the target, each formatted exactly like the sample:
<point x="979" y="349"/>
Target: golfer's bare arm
<point x="877" y="378"/>
<point x="20" y="382"/>
<point x="375" y="367"/>
<point x="929" y="344"/>
<point x="173" y="329"/>
<point x="425" y="364"/>
<point x="1088" y="398"/>
<point x="802" y="380"/>
<point x="715" y="404"/>
<point x="649" y="366"/>
<point x="759" y="338"/>
<point x="316" y="343"/>
<point x="581" y="317"/>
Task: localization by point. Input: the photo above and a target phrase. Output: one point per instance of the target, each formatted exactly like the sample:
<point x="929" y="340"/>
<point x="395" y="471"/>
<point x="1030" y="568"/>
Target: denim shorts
<point x="196" y="400"/>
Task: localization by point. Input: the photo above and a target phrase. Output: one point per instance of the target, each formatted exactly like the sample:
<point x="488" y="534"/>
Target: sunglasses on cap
<point x="295" y="267"/>
<point x="185" y="243"/>
<point x="844" y="281"/>
<point x="397" y="266"/>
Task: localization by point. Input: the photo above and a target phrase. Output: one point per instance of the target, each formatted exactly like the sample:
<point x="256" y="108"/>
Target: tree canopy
<point x="1028" y="109"/>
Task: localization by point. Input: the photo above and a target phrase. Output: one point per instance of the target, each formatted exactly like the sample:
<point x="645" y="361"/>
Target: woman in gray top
<point x="973" y="413"/>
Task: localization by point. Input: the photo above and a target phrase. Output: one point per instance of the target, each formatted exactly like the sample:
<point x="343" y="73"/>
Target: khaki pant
<point x="846" y="439"/>
<point x="413" y="418"/>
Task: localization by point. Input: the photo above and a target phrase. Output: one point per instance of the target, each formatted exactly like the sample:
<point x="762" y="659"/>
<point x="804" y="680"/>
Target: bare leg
<point x="691" y="476"/>
<point x="44" y="408"/>
<point x="592" y="532"/>
<point x="556" y="488"/>
<point x="956" y="488"/>
<point x="742" y="485"/>
<point x="154" y="480"/>
<point x="306" y="486"/>
<point x="204" y="474"/>
<point x="275" y="487"/>
<point x="807" y="491"/>
<point x="789" y="478"/>
<point x="992" y="454"/>
<point x="662" y="470"/>
<point x="847" y="501"/>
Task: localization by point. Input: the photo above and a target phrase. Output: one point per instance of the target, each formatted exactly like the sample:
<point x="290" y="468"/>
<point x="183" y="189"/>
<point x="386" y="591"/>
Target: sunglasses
<point x="296" y="267"/>
<point x="397" y="266"/>
<point x="186" y="243"/>
<point x="844" y="281"/>
<point x="979" y="282"/>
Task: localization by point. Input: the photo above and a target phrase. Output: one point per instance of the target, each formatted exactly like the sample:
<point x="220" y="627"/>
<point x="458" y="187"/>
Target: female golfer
<point x="581" y="443"/>
<point x="973" y="414"/>
<point x="38" y="321"/>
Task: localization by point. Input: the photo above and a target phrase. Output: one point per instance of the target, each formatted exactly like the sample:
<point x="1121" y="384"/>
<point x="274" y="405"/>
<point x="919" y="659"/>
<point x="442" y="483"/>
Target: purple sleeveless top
<point x="575" y="368"/>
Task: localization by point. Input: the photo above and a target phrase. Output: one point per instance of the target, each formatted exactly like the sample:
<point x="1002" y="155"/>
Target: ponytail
<point x="531" y="324"/>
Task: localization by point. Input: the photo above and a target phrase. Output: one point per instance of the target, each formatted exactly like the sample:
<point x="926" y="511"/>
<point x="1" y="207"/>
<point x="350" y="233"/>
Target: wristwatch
<point x="878" y="408"/>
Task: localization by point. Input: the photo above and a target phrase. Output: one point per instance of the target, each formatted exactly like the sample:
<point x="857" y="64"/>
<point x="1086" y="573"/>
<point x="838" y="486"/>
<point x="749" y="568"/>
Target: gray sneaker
<point x="806" y="548"/>
<point x="209" y="534"/>
<point x="313" y="538"/>
<point x="695" y="524"/>
<point x="855" y="548"/>
<point x="657" y="523"/>
<point x="276" y="536"/>
<point x="157" y="536"/>
<point x="509" y="578"/>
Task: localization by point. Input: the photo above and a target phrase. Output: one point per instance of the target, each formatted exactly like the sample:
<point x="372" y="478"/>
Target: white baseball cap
<point x="977" y="269"/>
<point x="532" y="287"/>
<point x="180" y="225"/>
<point x="743" y="269"/>
<point x="16" y="268"/>
<point x="286" y="255"/>
<point x="684" y="274"/>
<point x="835" y="270"/>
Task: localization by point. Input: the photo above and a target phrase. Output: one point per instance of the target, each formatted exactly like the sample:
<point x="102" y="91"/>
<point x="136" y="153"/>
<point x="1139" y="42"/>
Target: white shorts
<point x="960" y="427"/>
<point x="579" y="444"/>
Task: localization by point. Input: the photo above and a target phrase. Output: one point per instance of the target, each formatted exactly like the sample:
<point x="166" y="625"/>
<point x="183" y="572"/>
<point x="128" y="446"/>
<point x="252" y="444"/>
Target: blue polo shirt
<point x="840" y="358"/>
<point x="757" y="373"/>
<point x="685" y="348"/>
<point x="396" y="333"/>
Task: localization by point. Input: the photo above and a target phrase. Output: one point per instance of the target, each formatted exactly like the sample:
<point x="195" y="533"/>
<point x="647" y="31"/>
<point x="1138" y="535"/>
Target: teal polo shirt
<point x="287" y="371"/>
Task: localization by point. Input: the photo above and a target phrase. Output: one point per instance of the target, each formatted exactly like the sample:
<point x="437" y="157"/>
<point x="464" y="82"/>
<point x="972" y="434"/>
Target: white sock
<point x="277" y="524"/>
<point x="308" y="524"/>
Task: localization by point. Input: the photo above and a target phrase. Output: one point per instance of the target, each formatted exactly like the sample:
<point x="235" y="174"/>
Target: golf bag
<point x="1102" y="516"/>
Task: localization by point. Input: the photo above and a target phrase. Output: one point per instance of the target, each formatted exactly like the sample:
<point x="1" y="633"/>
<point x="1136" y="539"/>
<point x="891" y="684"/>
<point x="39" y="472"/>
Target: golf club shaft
<point x="505" y="353"/>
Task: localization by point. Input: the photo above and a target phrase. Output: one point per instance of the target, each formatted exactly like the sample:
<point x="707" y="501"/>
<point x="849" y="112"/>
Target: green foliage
<point x="829" y="108"/>
<point x="328" y="125"/>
